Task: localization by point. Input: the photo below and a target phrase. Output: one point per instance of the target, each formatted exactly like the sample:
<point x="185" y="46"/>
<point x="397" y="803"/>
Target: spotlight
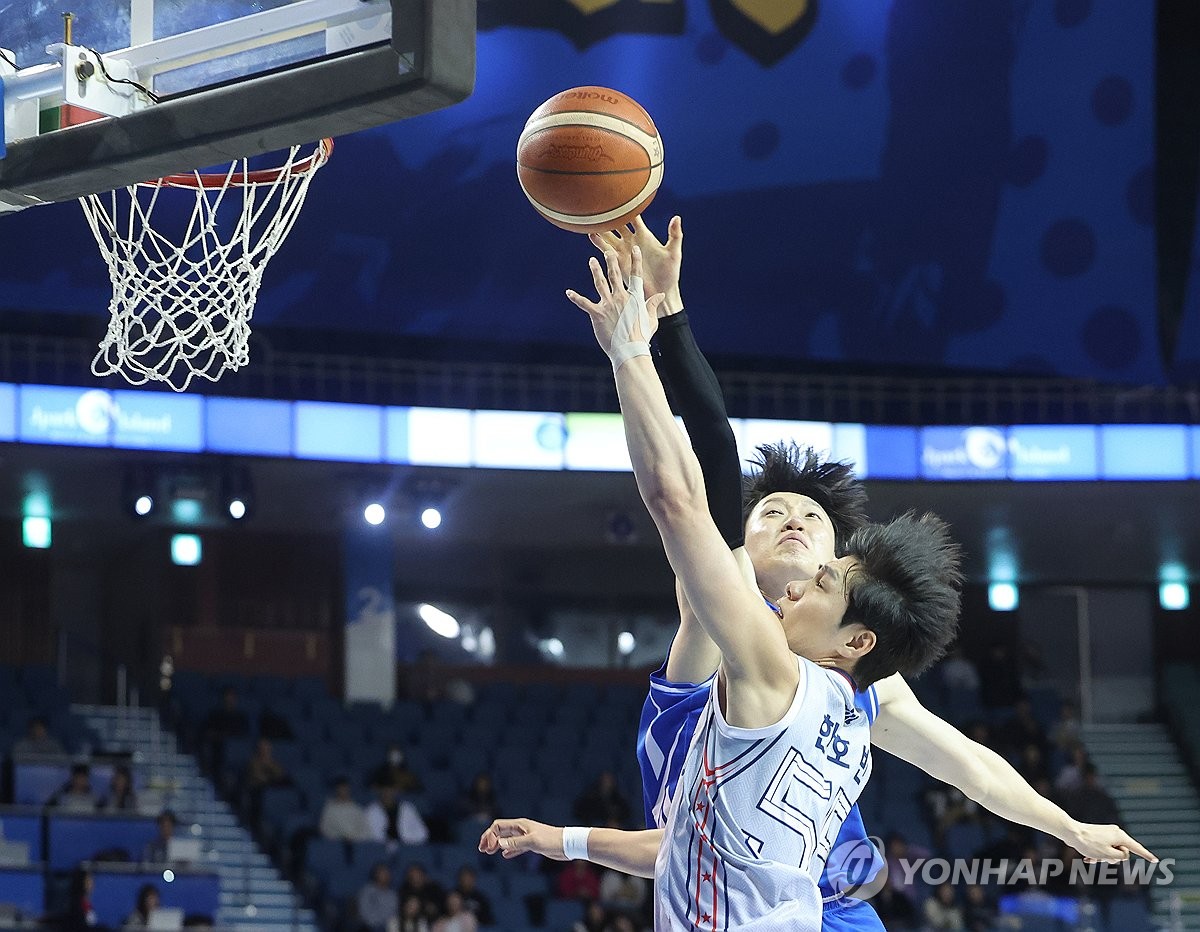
<point x="237" y="509"/>
<point x="1002" y="596"/>
<point x="439" y="622"/>
<point x="374" y="514"/>
<point x="431" y="518"/>
<point x="237" y="493"/>
<point x="1173" y="594"/>
<point x="185" y="549"/>
<point x="35" y="532"/>
<point x="143" y="505"/>
<point x="626" y="642"/>
<point x="139" y="491"/>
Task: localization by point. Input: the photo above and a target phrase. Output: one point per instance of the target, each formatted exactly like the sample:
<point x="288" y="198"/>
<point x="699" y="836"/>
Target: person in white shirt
<point x="342" y="818"/>
<point x="394" y="820"/>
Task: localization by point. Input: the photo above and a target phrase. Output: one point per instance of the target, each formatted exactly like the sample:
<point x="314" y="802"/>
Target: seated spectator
<point x="157" y="850"/>
<point x="121" y="796"/>
<point x="947" y="806"/>
<point x="897" y="901"/>
<point x="412" y="916"/>
<point x="457" y="917"/>
<point x="474" y="900"/>
<point x="79" y="913"/>
<point x="1022" y="730"/>
<point x="395" y="771"/>
<point x="1032" y="765"/>
<point x="429" y="681"/>
<point x="479" y="802"/>
<point x="263" y="769"/>
<point x="980" y="914"/>
<point x="147" y="903"/>
<point x="1070" y="778"/>
<point x="578" y="881"/>
<point x="427" y="892"/>
<point x="394" y="820"/>
<point x="942" y="912"/>
<point x="959" y="674"/>
<point x="623" y="893"/>
<point x="1065" y="731"/>
<point x="595" y="919"/>
<point x="621" y="923"/>
<point x="37" y="740"/>
<point x="222" y="723"/>
<point x="1090" y="802"/>
<point x="342" y="818"/>
<point x="602" y="803"/>
<point x="76" y="794"/>
<point x="378" y="904"/>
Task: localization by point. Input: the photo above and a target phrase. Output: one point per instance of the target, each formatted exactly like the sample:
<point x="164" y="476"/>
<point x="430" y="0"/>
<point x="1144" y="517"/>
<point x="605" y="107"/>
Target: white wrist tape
<point x="624" y="345"/>
<point x="575" y="842"/>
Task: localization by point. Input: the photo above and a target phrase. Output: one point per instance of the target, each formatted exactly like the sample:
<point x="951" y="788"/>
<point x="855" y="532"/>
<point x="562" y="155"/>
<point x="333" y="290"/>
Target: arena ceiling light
<point x="374" y="514"/>
<point x="431" y="517"/>
<point x="439" y="622"/>
<point x="1173" y="593"/>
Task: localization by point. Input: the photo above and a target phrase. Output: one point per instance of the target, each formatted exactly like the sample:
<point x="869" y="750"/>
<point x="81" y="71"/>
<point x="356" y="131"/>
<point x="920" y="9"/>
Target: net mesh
<point x="184" y="292"/>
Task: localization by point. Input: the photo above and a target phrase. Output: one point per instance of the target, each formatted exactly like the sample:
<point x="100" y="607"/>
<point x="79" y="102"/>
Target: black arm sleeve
<point x="694" y="389"/>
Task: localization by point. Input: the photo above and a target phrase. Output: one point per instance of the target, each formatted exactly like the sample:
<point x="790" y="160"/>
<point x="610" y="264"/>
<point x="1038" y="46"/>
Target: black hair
<point x="787" y="467"/>
<point x="143" y="895"/>
<point x="906" y="589"/>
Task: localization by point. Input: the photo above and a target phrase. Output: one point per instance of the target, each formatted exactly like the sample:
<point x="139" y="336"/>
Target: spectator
<point x="602" y="803"/>
<point x="595" y="919"/>
<point x="1032" y="765"/>
<point x="959" y="674"/>
<point x="942" y="912"/>
<point x="37" y="740"/>
<point x="1091" y="802"/>
<point x="76" y="794"/>
<point x="1000" y="677"/>
<point x="479" y="802"/>
<point x="418" y="884"/>
<point x="1070" y="778"/>
<point x="621" y="923"/>
<point x="121" y="796"/>
<point x="578" y="881"/>
<point x="474" y="900"/>
<point x="274" y="726"/>
<point x="622" y="893"/>
<point x="980" y="914"/>
<point x="147" y="903"/>
<point x="263" y="769"/>
<point x="412" y="916"/>
<point x="158" y="850"/>
<point x="342" y="818"/>
<point x="1022" y="730"/>
<point x="947" y="806"/>
<point x="395" y="771"/>
<point x="897" y="902"/>
<point x="394" y="820"/>
<point x="457" y="917"/>
<point x="1065" y="731"/>
<point x="80" y="914"/>
<point x="224" y="722"/>
<point x="378" y="903"/>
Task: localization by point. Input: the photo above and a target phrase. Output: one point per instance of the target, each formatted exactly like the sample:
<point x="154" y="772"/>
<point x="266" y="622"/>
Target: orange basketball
<point x="590" y="159"/>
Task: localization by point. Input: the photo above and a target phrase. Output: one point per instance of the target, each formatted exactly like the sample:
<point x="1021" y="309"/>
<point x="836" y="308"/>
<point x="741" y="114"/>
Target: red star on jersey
<point x="704" y="917"/>
<point x="706" y="877"/>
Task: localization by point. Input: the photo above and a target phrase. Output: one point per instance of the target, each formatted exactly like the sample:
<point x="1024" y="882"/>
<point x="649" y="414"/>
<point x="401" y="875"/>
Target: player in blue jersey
<point x="906" y="728"/>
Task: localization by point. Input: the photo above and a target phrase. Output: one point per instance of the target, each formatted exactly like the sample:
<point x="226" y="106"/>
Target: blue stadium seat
<point x="290" y="754"/>
<point x="365" y="854"/>
<point x="964" y="839"/>
<point x="278" y="802"/>
<point x="324" y="857"/>
<point x="1128" y="912"/>
<point x="344" y="883"/>
<point x="522" y="881"/>
<point x="561" y="915"/>
<point x="427" y="855"/>
<point x="511" y="914"/>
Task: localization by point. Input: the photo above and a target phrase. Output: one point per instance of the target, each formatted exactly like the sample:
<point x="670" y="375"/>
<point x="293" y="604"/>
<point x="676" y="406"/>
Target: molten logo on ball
<point x="587" y="153"/>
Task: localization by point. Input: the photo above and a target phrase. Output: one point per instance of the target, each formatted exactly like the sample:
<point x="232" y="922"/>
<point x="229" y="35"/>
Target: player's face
<point x="813" y="610"/>
<point x="788" y="536"/>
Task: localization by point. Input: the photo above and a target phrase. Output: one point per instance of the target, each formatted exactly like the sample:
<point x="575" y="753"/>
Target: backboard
<point x="189" y="85"/>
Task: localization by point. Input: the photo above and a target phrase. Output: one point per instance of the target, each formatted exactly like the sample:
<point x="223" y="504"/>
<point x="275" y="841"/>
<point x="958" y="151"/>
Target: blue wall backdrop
<point x="909" y="183"/>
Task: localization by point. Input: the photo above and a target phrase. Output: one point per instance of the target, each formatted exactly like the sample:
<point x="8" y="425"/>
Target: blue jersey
<point x="665" y="732"/>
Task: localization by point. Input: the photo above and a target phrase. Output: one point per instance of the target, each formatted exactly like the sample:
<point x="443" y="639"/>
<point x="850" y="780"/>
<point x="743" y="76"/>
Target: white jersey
<point x="757" y="810"/>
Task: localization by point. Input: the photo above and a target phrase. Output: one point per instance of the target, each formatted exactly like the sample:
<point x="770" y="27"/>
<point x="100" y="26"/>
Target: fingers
<point x="615" y="282"/>
<point x="588" y="307"/>
<point x="1132" y="844"/>
<point x="598" y="279"/>
<point x="675" y="231"/>
<point x="653" y="304"/>
<point x="635" y="266"/>
<point x="604" y="241"/>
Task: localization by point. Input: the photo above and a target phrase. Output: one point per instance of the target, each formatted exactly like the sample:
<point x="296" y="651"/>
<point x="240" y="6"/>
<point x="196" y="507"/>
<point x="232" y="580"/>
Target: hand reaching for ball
<point x="622" y="317"/>
<point x="660" y="261"/>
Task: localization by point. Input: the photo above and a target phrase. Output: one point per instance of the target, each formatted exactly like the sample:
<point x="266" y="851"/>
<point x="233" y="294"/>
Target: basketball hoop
<point x="183" y="299"/>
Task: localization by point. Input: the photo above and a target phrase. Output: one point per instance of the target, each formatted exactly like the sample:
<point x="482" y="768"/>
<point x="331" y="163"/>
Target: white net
<point x="183" y="294"/>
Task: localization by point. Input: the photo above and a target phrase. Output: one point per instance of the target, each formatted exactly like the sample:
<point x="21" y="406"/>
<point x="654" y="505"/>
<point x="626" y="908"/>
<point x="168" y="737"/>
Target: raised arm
<point x="762" y="671"/>
<point x="695" y="395"/>
<point x="628" y="852"/>
<point x="910" y="731"/>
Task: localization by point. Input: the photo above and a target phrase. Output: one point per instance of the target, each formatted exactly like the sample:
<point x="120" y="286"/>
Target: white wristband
<point x="575" y="843"/>
<point x="624" y="346"/>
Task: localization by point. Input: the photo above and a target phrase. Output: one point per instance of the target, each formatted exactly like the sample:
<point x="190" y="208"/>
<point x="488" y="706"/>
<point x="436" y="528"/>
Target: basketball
<point x="590" y="159"/>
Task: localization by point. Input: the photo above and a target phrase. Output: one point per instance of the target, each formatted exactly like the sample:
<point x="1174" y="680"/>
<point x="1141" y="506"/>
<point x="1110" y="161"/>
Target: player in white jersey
<point x="891" y="604"/>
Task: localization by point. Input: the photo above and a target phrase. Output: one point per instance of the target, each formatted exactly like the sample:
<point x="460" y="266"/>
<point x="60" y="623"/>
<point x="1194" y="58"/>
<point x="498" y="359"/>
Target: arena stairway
<point x="254" y="896"/>
<point x="1144" y="772"/>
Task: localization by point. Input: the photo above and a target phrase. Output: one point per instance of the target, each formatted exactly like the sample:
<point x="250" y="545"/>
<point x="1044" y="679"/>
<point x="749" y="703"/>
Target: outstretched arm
<point x="913" y="733"/>
<point x="628" y="852"/>
<point x="762" y="671"/>
<point x="696" y="396"/>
